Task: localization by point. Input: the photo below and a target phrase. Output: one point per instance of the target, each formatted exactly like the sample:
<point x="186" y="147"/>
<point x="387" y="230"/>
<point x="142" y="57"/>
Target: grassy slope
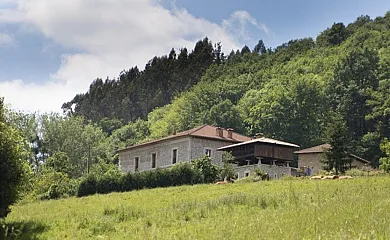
<point x="286" y="209"/>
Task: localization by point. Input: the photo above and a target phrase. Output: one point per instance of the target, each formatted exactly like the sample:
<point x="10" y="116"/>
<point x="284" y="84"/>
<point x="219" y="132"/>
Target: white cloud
<point x="8" y="15"/>
<point x="239" y="22"/>
<point x="6" y="39"/>
<point x="110" y="36"/>
<point x="33" y="97"/>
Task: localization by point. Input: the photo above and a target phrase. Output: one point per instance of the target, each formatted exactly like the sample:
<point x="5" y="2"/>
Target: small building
<point x="184" y="146"/>
<point x="314" y="158"/>
<point x="271" y="155"/>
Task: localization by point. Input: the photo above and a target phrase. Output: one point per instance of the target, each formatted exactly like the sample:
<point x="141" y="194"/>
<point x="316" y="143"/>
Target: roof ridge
<point x="193" y="130"/>
<point x="317" y="148"/>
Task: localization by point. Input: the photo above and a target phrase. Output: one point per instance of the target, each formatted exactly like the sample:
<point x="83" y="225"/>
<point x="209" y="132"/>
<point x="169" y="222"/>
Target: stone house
<point x="184" y="146"/>
<point x="313" y="158"/>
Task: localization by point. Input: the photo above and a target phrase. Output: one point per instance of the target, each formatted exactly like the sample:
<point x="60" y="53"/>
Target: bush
<point x="186" y="174"/>
<point x="108" y="183"/>
<point x="12" y="166"/>
<point x="385" y="161"/>
<point x="127" y="182"/>
<point x="356" y="172"/>
<point x="261" y="174"/>
<point x="227" y="172"/>
<point x="207" y="168"/>
<point x="88" y="186"/>
<point x="163" y="177"/>
<point x="49" y="184"/>
<point x="111" y="181"/>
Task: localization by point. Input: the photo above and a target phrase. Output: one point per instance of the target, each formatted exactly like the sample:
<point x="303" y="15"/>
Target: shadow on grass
<point x="29" y="230"/>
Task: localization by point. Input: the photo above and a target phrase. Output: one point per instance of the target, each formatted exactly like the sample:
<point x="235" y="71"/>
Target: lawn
<point x="282" y="209"/>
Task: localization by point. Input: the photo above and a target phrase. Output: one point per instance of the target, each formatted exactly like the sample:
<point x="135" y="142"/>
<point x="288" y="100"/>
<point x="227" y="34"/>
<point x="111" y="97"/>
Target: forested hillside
<point x="303" y="92"/>
<point x="135" y="93"/>
<point x="291" y="92"/>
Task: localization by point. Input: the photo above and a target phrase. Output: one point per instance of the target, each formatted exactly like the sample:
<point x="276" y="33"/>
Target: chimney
<point x="219" y="131"/>
<point x="259" y="135"/>
<point x="230" y="133"/>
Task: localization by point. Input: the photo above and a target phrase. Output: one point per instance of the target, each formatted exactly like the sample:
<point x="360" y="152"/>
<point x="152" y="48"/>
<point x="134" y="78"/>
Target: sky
<point x="51" y="50"/>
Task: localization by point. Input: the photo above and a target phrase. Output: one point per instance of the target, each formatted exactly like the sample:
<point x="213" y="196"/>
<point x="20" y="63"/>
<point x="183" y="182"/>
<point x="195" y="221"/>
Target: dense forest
<point x="296" y="92"/>
<point x="291" y="92"/>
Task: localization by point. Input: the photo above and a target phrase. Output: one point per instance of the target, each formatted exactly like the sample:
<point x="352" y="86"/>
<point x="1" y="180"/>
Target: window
<point x="153" y="160"/>
<point x="247" y="173"/>
<point x="207" y="152"/>
<point x="174" y="156"/>
<point x="136" y="163"/>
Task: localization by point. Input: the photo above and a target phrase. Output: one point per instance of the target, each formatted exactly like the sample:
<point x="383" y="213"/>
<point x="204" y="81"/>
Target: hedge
<point x="180" y="174"/>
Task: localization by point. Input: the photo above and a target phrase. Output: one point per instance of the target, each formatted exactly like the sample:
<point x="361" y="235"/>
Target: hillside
<point x="285" y="209"/>
<point x="293" y="92"/>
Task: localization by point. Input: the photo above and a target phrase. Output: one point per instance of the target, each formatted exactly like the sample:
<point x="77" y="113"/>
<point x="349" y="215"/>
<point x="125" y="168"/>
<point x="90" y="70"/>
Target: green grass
<point x="284" y="209"/>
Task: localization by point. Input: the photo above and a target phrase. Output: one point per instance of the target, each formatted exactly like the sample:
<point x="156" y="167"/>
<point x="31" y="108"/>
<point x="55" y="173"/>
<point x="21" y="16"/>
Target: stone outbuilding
<point x="314" y="157"/>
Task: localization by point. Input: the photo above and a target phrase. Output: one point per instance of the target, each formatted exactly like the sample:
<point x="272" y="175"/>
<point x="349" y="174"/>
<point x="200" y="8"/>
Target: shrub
<point x="12" y="166"/>
<point x="107" y="183"/>
<point x="185" y="173"/>
<point x="356" y="172"/>
<point x="207" y="168"/>
<point x="127" y="182"/>
<point x="180" y="174"/>
<point x="227" y="172"/>
<point x="88" y="186"/>
<point x="49" y="184"/>
<point x="163" y="177"/>
<point x="139" y="180"/>
<point x="261" y="174"/>
<point x="385" y="161"/>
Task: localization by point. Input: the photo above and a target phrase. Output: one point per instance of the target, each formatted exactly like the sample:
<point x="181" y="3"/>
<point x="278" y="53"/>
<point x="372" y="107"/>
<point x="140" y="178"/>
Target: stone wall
<point x="312" y="160"/>
<point x="198" y="146"/>
<point x="163" y="152"/>
<point x="188" y="148"/>
<point x="274" y="172"/>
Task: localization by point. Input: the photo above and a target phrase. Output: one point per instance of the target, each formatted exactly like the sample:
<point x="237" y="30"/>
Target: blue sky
<point x="288" y="19"/>
<point x="50" y="50"/>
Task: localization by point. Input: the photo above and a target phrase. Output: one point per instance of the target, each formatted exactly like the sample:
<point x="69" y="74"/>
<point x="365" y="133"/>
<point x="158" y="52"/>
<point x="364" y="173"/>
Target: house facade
<point x="314" y="157"/>
<point x="184" y="146"/>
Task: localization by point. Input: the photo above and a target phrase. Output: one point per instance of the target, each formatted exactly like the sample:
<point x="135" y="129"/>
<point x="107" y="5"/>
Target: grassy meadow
<point x="282" y="209"/>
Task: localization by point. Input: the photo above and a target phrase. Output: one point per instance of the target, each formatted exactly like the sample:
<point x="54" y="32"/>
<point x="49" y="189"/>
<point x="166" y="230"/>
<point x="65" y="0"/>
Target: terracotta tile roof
<point x="261" y="140"/>
<point x="204" y="131"/>
<point x="316" y="149"/>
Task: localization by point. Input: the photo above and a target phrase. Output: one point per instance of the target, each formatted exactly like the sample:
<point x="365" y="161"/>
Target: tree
<point x="227" y="171"/>
<point x="12" y="165"/>
<point x="83" y="143"/>
<point x="245" y="49"/>
<point x="337" y="156"/>
<point x="260" y="48"/>
<point x="385" y="161"/>
<point x="355" y="80"/>
<point x="293" y="110"/>
<point x="333" y="36"/>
